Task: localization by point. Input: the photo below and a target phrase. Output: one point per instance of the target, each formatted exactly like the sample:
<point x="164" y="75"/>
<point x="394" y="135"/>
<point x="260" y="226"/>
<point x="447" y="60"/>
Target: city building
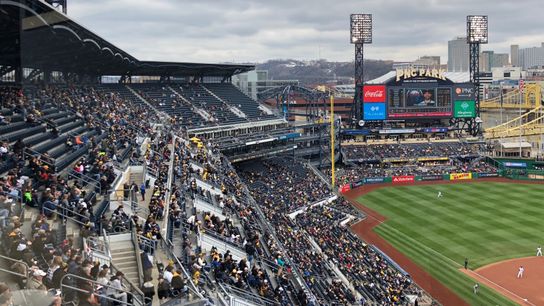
<point x="532" y="57"/>
<point x="507" y="73"/>
<point x="514" y="55"/>
<point x="423" y="62"/>
<point x="458" y="54"/>
<point x="428" y="60"/>
<point x="256" y="81"/>
<point x="490" y="59"/>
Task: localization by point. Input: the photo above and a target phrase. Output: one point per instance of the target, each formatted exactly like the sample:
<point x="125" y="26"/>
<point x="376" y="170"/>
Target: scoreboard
<point x="418" y="93"/>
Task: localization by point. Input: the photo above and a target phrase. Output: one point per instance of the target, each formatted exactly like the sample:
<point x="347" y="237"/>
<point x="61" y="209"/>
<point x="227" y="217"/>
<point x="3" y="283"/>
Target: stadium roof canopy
<point x="455" y="77"/>
<point x="515" y="145"/>
<point x="35" y="35"/>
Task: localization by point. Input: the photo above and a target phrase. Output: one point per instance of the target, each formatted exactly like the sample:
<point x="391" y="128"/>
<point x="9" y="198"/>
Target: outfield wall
<point x="514" y="174"/>
<point x="407" y="179"/>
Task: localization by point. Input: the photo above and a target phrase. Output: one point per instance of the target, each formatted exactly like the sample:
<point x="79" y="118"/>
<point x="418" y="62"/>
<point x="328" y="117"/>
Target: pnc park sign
<point x="404" y="74"/>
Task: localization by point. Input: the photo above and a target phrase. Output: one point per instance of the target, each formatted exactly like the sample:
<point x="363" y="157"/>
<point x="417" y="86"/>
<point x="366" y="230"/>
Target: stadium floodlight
<point x="361" y="29"/>
<point x="477" y="27"/>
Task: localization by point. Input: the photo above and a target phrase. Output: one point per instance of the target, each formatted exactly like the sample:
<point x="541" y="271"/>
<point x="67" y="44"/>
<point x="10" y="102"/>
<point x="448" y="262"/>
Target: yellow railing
<point x="531" y="123"/>
<point x="530" y="98"/>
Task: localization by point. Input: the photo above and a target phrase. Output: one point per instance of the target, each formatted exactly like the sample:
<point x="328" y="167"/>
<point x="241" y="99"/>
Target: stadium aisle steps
<point x="124" y="257"/>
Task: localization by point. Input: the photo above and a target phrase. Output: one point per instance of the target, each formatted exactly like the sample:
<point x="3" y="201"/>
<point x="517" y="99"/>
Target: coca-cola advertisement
<point x="374" y="93"/>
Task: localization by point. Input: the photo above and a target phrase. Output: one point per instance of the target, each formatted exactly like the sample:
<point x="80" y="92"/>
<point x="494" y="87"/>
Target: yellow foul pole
<point x="332" y="141"/>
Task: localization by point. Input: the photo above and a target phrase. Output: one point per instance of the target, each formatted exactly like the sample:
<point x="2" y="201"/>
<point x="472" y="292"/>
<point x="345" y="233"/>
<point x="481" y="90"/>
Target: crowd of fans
<point x="52" y="264"/>
<point x="288" y="186"/>
<point x="71" y="194"/>
<point x="202" y="163"/>
<point x="371" y="161"/>
<point x="199" y="97"/>
<point x="366" y="269"/>
<point x="271" y="183"/>
<point x="410" y="150"/>
<point x="277" y="246"/>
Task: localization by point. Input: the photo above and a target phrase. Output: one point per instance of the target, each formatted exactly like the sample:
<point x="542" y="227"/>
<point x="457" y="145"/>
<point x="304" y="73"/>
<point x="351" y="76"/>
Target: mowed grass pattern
<point x="483" y="221"/>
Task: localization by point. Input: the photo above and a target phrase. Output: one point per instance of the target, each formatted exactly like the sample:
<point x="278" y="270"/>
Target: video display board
<point x="418" y="93"/>
<point x="419" y="100"/>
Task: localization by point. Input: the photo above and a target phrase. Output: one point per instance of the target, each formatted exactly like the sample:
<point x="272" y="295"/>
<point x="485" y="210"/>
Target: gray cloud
<point x="253" y="31"/>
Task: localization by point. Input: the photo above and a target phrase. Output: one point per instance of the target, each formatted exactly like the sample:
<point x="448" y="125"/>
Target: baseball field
<point x="486" y="222"/>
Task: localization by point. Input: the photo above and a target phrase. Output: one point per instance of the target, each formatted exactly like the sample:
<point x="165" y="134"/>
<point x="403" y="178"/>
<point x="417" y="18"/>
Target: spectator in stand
<point x="5" y="295"/>
<point x="116" y="289"/>
<point x="142" y="191"/>
<point x="163" y="289"/>
<point x="149" y="291"/>
<point x="36" y="281"/>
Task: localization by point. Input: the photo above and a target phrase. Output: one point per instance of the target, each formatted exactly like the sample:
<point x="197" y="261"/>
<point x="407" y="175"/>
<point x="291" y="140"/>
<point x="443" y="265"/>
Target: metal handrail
<point x="132" y="287"/>
<point x="172" y="256"/>
<point x="245" y="295"/>
<point x="64" y="215"/>
<point x="222" y="239"/>
<point x="169" y="185"/>
<point x="85" y="178"/>
<point x="146" y="241"/>
<point x="13" y="272"/>
<point x="28" y="152"/>
<point x="106" y="238"/>
<point x="95" y="285"/>
<point x="96" y="248"/>
<point x="134" y="237"/>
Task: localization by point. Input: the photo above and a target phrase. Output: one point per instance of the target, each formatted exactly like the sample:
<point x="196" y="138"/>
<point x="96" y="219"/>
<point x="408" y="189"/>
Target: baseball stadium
<point x="131" y="182"/>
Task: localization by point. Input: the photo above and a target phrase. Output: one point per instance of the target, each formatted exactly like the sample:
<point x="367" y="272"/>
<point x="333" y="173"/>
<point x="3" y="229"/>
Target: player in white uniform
<point x="539" y="251"/>
<point x="439" y="194"/>
<point x="520" y="271"/>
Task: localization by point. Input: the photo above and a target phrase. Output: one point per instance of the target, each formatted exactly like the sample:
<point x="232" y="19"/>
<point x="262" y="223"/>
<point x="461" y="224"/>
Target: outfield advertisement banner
<point x="515" y="164"/>
<point x="460" y="176"/>
<point x="535" y="176"/>
<point x="433" y="158"/>
<point x="403" y="179"/>
<point x="488" y="174"/>
<point x="374" y="180"/>
<point x="345" y="188"/>
<point x="430" y="177"/>
<point x="357" y="184"/>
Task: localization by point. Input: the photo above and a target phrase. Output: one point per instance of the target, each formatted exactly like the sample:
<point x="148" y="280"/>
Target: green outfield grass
<point x="485" y="222"/>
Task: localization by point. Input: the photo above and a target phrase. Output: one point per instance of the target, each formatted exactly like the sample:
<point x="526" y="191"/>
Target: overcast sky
<point x="255" y="31"/>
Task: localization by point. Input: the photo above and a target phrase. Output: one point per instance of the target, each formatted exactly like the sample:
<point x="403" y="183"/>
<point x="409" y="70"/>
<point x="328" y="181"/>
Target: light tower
<point x="477" y="33"/>
<point x="360" y="34"/>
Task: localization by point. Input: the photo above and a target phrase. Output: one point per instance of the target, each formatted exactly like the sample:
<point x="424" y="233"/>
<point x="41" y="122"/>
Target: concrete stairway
<point x="136" y="177"/>
<point x="123" y="256"/>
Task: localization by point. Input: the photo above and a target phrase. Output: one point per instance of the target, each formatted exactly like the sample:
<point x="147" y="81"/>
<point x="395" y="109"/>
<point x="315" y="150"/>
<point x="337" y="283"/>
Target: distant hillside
<point x="322" y="71"/>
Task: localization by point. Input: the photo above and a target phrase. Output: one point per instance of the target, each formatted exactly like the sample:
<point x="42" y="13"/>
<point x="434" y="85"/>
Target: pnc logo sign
<point x="464" y="92"/>
<point x="374" y="93"/>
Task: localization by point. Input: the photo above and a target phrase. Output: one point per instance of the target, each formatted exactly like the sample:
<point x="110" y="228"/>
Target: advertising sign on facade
<point x="464" y="92"/>
<point x="403" y="179"/>
<point x="464" y="109"/>
<point x="374" y="180"/>
<point x="374" y="111"/>
<point x="460" y="176"/>
<point x="373" y="93"/>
